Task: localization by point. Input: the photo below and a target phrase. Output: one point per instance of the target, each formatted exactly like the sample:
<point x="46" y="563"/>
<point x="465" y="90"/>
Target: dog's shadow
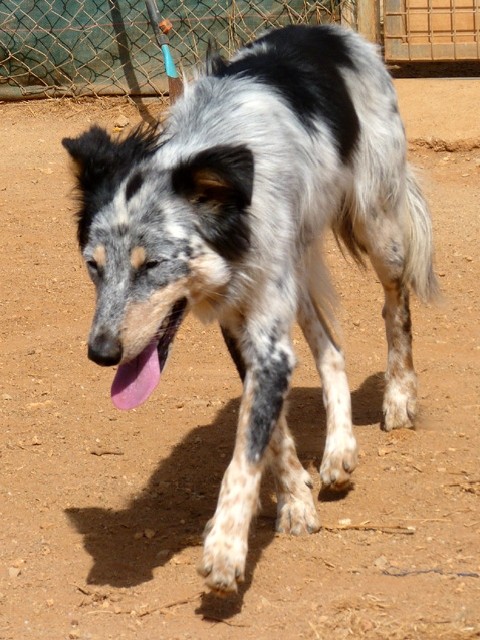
<point x="170" y="513"/>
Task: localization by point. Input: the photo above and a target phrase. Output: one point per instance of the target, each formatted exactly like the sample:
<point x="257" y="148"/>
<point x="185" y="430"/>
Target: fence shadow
<point x="127" y="63"/>
<point x="170" y="513"/>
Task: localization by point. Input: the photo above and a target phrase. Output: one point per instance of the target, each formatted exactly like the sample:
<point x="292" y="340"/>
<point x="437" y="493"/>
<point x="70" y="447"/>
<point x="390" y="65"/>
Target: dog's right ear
<point x="94" y="156"/>
<point x="84" y="147"/>
<point x="97" y="157"/>
<point x="100" y="166"/>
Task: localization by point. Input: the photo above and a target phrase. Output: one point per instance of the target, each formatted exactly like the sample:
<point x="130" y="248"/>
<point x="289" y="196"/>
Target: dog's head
<point x="156" y="239"/>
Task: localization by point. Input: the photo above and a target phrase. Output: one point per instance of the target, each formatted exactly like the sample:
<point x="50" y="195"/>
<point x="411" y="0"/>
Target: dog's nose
<point x="105" y="349"/>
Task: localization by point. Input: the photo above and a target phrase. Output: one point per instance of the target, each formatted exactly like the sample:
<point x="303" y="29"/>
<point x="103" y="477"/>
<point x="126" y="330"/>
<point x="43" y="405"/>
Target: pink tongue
<point x="135" y="380"/>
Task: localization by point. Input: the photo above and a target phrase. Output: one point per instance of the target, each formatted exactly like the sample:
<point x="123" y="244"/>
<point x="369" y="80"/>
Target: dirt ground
<point x="102" y="512"/>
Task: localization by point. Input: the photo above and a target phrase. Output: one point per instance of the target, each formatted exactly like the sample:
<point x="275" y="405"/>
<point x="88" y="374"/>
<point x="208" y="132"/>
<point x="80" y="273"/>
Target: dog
<point x="222" y="212"/>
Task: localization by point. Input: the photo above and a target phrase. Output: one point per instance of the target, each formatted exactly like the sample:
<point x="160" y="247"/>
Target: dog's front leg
<point x="340" y="454"/>
<point x="226" y="540"/>
<point x="296" y="513"/>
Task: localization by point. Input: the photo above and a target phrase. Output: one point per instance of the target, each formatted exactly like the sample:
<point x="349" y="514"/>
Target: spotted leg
<point x="296" y="513"/>
<point x="399" y="400"/>
<point x="267" y="376"/>
<point x="340" y="454"/>
<point x="384" y="241"/>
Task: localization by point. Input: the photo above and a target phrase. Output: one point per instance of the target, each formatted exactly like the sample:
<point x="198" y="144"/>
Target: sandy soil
<point x="102" y="512"/>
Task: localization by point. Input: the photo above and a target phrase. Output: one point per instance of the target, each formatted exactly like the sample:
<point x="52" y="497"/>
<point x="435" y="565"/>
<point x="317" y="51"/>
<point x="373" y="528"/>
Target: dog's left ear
<point x="222" y="175"/>
<point x="215" y="65"/>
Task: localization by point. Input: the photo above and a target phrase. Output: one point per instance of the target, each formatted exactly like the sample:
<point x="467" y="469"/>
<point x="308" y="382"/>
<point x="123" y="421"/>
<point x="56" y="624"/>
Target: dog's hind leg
<point x="340" y="454"/>
<point x="400" y="394"/>
<point x="387" y="258"/>
<point x="398" y="239"/>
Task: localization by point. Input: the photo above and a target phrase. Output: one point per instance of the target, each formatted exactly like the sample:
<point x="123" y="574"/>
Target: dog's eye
<point x="92" y="265"/>
<point x="151" y="264"/>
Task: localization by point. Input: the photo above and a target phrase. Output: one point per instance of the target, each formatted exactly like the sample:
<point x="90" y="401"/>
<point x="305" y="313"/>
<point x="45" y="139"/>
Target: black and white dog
<point x="222" y="213"/>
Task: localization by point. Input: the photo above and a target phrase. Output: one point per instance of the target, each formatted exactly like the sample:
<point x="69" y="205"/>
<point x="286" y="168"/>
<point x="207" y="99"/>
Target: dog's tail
<point x="418" y="272"/>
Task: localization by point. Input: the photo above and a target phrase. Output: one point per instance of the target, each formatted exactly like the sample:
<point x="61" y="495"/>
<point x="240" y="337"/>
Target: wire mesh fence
<point x="107" y="47"/>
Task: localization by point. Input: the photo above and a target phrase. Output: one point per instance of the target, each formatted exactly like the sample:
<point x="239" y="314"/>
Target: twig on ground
<point x="107" y="452"/>
<point x="460" y="484"/>
<point x="401" y="573"/>
<point x="170" y="605"/>
<point x="392" y="529"/>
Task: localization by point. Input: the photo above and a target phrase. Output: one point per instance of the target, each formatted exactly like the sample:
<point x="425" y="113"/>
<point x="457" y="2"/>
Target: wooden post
<point x="368" y="19"/>
<point x="348" y="16"/>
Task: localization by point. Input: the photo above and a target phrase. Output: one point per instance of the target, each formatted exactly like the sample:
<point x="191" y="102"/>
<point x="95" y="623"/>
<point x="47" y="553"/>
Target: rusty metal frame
<point x="403" y="43"/>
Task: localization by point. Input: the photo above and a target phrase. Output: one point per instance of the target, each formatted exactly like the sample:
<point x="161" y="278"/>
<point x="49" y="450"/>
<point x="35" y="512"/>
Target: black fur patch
<point x="219" y="181"/>
<point x="235" y="353"/>
<point x="272" y="381"/>
<point x="102" y="164"/>
<point x="303" y="64"/>
<point x="133" y="185"/>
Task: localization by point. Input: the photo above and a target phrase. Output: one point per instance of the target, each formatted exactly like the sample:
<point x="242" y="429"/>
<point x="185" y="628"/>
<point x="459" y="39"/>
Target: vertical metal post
<point x="368" y="19"/>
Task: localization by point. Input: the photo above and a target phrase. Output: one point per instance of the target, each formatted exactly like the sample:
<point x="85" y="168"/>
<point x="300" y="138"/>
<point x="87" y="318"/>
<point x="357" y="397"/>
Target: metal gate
<point x="432" y="30"/>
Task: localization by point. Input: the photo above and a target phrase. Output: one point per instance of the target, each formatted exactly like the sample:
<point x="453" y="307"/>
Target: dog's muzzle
<point x="136" y="379"/>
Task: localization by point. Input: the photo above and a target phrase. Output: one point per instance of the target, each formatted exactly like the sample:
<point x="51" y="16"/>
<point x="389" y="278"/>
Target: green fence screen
<point x="107" y="47"/>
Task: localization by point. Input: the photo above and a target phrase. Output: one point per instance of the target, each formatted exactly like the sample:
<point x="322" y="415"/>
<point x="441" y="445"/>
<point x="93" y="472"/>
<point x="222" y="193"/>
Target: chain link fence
<point x="107" y="47"/>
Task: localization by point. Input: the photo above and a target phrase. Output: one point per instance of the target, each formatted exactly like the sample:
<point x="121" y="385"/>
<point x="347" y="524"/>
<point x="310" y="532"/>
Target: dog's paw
<point x="399" y="404"/>
<point x="338" y="463"/>
<point x="297" y="517"/>
<point x="223" y="562"/>
<point x="296" y="513"/>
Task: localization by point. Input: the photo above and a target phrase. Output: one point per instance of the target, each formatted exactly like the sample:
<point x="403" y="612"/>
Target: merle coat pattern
<point x="222" y="212"/>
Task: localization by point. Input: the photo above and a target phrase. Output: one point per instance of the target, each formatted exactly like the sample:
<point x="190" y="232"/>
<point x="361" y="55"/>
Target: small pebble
<point x="122" y="121"/>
